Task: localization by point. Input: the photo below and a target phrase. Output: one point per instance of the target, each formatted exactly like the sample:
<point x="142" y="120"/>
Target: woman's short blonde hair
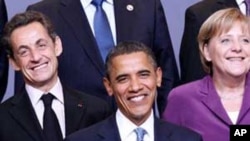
<point x="218" y="23"/>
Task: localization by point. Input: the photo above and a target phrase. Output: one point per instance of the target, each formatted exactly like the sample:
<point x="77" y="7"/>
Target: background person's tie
<point x="102" y="29"/>
<point x="247" y="2"/>
<point x="51" y="127"/>
<point x="140" y="132"/>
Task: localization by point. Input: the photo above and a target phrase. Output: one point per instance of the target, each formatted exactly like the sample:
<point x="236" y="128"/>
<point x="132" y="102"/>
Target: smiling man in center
<point x="132" y="77"/>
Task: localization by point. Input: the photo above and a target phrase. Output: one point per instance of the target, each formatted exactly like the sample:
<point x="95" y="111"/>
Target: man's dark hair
<point x="128" y="47"/>
<point x="23" y="19"/>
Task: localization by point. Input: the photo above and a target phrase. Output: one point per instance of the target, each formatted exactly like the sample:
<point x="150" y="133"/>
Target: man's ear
<point x="58" y="46"/>
<point x="108" y="87"/>
<point x="14" y="64"/>
<point x="158" y="76"/>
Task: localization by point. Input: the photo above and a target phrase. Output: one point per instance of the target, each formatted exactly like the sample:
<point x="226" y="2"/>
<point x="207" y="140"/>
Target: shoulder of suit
<point x="203" y="5"/>
<point x="44" y="4"/>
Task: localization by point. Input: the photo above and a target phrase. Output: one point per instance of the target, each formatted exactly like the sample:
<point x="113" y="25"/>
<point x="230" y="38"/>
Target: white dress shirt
<point x="126" y="127"/>
<point x="57" y="103"/>
<point x="233" y="116"/>
<point x="108" y="7"/>
<point x="242" y="6"/>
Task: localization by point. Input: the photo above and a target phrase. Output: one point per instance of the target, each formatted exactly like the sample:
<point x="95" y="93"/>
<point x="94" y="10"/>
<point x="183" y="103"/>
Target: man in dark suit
<point x="4" y="65"/>
<point x="190" y="64"/>
<point x="81" y="64"/>
<point x="33" y="48"/>
<point x="133" y="77"/>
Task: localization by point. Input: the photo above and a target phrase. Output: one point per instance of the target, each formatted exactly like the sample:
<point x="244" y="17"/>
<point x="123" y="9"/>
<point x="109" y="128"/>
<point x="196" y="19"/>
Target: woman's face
<point x="229" y="52"/>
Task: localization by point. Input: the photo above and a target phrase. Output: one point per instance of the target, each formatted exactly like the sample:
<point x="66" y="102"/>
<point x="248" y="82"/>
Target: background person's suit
<point x="19" y="122"/>
<point x="81" y="65"/>
<point x="4" y="65"/>
<point x="163" y="132"/>
<point x="190" y="63"/>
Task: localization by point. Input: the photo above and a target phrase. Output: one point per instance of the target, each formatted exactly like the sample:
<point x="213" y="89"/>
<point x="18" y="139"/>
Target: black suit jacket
<point x="164" y="131"/>
<point x="19" y="122"/>
<point x="190" y="63"/>
<point x="81" y="64"/>
<point x="4" y="65"/>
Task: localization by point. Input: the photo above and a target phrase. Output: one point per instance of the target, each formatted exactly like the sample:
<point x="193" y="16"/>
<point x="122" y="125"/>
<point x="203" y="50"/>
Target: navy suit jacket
<point x="19" y="122"/>
<point x="4" y="65"/>
<point x="190" y="63"/>
<point x="81" y="65"/>
<point x="107" y="130"/>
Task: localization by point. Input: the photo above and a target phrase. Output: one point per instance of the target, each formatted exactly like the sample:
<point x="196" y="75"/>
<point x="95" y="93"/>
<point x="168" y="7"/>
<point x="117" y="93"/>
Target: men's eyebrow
<point x="22" y="47"/>
<point x="139" y="72"/>
<point x="144" y="71"/>
<point x="41" y="40"/>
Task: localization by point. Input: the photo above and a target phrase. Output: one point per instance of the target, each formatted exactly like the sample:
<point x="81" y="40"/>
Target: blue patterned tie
<point x="140" y="132"/>
<point x="102" y="29"/>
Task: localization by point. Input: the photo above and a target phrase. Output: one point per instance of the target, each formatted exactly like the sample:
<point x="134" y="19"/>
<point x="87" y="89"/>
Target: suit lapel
<point x="23" y="112"/>
<point x="74" y="110"/>
<point x="245" y="107"/>
<point x="124" y="18"/>
<point x="109" y="130"/>
<point x="70" y="12"/>
<point x="162" y="132"/>
<point x="228" y="3"/>
<point x="212" y="100"/>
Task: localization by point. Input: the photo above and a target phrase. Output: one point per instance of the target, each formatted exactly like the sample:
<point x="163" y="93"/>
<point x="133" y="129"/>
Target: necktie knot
<point x="47" y="99"/>
<point x="97" y="2"/>
<point x="140" y="132"/>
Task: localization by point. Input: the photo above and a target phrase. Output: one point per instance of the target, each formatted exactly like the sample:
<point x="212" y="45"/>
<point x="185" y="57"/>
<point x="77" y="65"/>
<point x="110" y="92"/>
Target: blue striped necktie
<point x="140" y="132"/>
<point x="102" y="29"/>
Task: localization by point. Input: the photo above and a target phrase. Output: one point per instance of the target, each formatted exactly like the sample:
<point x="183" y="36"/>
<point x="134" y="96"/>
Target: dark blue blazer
<point x="19" y="122"/>
<point x="4" y="65"/>
<point x="107" y="130"/>
<point x="190" y="63"/>
<point x="81" y="65"/>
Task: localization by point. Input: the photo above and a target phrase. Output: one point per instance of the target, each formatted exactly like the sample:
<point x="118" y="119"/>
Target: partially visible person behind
<point x="190" y="63"/>
<point x="33" y="48"/>
<point x="136" y="20"/>
<point x="4" y="64"/>
<point x="132" y="77"/>
<point x="210" y="105"/>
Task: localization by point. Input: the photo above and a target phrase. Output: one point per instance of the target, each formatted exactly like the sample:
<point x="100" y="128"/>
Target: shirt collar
<point x="239" y="2"/>
<point x="35" y="94"/>
<point x="124" y="123"/>
<point x="86" y="3"/>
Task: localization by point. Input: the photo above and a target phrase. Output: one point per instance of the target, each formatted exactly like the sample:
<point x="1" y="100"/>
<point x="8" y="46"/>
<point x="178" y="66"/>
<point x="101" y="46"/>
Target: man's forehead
<point x="132" y="55"/>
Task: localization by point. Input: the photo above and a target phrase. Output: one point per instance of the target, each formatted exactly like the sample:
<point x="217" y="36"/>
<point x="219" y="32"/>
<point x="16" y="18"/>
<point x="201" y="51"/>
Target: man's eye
<point x="121" y="79"/>
<point x="41" y="46"/>
<point x="144" y="75"/>
<point x="23" y="52"/>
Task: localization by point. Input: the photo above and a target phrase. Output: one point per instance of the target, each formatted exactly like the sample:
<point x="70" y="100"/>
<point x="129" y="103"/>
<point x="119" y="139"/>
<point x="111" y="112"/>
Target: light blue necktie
<point x="102" y="29"/>
<point x="140" y="132"/>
